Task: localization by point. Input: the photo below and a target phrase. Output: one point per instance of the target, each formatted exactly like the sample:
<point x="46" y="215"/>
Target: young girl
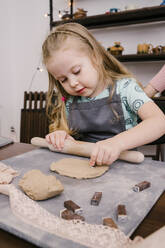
<point x="96" y="99"/>
<point x="157" y="84"/>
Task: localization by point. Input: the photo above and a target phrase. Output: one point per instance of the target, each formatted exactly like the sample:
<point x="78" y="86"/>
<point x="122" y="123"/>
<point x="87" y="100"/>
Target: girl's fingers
<point x="62" y="141"/>
<point x="58" y="141"/>
<point x="113" y="157"/>
<point x="53" y="140"/>
<point x="57" y="138"/>
<point x="100" y="157"/>
<point x="106" y="158"/>
<point x="47" y="137"/>
<point x="93" y="156"/>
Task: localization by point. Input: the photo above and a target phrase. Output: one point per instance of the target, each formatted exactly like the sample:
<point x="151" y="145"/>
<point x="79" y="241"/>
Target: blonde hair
<point x="109" y="68"/>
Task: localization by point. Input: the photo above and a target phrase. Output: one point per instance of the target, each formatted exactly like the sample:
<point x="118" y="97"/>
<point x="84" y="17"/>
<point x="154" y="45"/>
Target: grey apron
<point x="95" y="120"/>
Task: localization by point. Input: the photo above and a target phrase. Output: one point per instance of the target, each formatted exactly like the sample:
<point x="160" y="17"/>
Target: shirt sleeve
<point x="158" y="82"/>
<point x="132" y="95"/>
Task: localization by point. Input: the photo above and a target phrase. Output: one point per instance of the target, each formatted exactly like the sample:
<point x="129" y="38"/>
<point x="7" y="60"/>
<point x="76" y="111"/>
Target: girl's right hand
<point x="57" y="138"/>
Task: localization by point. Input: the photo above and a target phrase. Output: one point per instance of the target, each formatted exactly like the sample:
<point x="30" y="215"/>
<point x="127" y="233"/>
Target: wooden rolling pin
<point x="84" y="149"/>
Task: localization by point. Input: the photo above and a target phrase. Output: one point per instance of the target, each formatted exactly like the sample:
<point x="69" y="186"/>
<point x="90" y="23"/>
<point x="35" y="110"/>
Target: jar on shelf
<point x="66" y="16"/>
<point x="80" y="13"/>
<point x="144" y="48"/>
<point x="162" y="49"/>
<point x="117" y="49"/>
<point x="156" y="50"/>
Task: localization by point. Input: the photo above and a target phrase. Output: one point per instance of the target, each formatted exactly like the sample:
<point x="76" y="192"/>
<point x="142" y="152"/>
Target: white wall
<point x="23" y="29"/>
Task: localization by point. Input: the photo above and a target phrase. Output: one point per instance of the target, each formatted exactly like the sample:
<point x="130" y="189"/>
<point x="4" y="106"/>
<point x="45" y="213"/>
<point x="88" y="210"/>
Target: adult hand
<point x="57" y="138"/>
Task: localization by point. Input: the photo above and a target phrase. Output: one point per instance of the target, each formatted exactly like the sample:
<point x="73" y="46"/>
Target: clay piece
<point x="70" y="205"/>
<point x="77" y="168"/>
<point x="141" y="186"/>
<point x="121" y="213"/>
<point x="39" y="186"/>
<point x="96" y="198"/>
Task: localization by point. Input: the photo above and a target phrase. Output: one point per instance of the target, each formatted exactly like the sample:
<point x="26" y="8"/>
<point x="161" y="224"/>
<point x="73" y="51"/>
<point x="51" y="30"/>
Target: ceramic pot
<point x="144" y="48"/>
<point x="117" y="49"/>
<point x="162" y="49"/>
<point x="80" y="13"/>
<point x="156" y="50"/>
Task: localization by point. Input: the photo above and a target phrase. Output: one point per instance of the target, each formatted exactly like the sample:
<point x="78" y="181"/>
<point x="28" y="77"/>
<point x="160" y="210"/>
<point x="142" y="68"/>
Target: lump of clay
<point x="39" y="186"/>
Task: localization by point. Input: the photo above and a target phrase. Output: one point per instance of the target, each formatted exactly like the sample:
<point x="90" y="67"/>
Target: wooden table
<point x="152" y="222"/>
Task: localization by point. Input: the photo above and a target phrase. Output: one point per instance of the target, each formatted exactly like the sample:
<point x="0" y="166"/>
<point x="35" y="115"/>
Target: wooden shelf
<point x="140" y="57"/>
<point x="128" y="17"/>
<point x="136" y="16"/>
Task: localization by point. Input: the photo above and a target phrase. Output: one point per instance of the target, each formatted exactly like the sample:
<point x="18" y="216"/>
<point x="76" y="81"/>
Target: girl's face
<point x="75" y="72"/>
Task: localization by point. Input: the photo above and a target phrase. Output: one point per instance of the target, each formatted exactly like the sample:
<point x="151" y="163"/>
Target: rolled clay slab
<point x="77" y="168"/>
<point x="39" y="186"/>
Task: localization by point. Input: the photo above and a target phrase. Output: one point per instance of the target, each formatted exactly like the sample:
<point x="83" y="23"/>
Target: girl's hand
<point x="57" y="138"/>
<point x="104" y="153"/>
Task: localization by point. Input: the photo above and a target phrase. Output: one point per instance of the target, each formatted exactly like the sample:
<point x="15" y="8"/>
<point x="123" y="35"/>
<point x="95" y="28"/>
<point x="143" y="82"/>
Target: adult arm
<point x="157" y="84"/>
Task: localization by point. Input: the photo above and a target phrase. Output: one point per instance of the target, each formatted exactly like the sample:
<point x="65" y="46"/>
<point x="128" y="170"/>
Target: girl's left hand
<point x="104" y="152"/>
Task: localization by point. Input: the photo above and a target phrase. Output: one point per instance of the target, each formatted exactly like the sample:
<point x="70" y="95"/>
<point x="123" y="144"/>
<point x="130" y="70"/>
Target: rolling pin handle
<point x="41" y="142"/>
<point x="132" y="156"/>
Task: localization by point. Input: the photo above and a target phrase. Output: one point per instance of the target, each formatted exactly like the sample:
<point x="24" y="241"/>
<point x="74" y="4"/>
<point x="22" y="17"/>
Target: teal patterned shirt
<point x="131" y="95"/>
